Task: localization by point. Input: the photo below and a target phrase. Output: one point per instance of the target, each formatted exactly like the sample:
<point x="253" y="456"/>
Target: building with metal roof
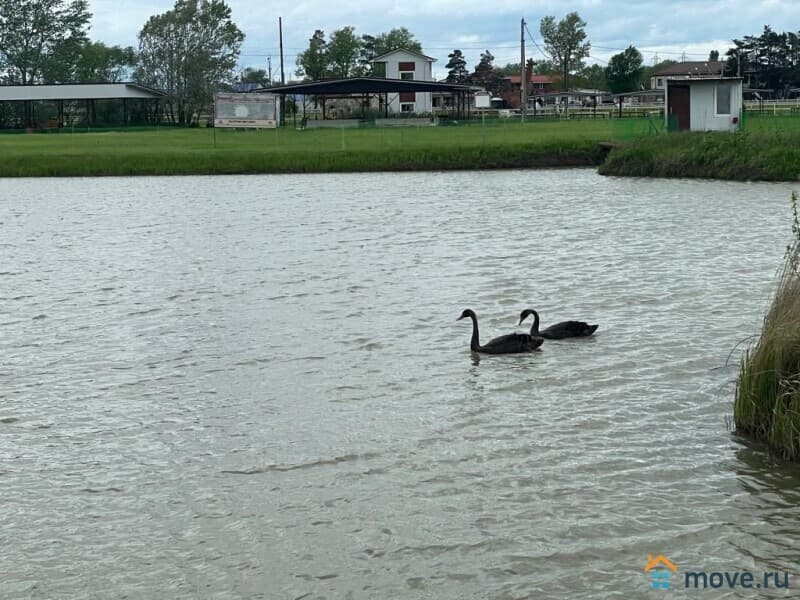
<point x="369" y="86"/>
<point x="31" y="95"/>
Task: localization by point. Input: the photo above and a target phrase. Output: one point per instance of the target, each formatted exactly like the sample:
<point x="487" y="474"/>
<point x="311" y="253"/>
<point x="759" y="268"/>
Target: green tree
<point x="564" y="41"/>
<point x="594" y="77"/>
<point x="366" y="53"/>
<point x="258" y="76"/>
<point x="394" y="39"/>
<point x="312" y="63"/>
<point x="713" y="55"/>
<point x="509" y="69"/>
<point x="41" y="39"/>
<point x="545" y="67"/>
<point x="624" y="71"/>
<point x="188" y="51"/>
<point x="486" y="75"/>
<point x="456" y="67"/>
<point x="98" y="62"/>
<point x="343" y="52"/>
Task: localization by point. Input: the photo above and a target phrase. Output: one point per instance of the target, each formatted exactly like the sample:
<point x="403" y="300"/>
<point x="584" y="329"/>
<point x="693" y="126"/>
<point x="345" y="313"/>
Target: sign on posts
<point x="261" y="111"/>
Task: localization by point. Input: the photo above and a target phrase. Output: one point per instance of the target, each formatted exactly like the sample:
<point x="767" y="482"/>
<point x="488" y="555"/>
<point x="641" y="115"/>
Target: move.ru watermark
<point x="662" y="574"/>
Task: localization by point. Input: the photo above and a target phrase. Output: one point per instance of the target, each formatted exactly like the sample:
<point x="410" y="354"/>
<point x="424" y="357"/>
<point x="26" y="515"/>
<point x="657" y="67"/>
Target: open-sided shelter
<point x="31" y="95"/>
<point x="365" y="87"/>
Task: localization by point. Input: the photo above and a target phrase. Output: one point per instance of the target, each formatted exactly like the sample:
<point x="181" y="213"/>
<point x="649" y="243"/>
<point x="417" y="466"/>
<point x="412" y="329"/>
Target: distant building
<point x="538" y="85"/>
<point x="686" y="70"/>
<point x="406" y="64"/>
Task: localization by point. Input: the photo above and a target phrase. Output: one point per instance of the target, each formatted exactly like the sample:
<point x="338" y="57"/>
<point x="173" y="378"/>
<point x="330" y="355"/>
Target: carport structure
<point x="369" y="86"/>
<point x="65" y="92"/>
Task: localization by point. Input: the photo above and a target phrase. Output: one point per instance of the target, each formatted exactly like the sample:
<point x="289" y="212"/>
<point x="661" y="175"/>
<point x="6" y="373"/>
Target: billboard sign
<point x="246" y="110"/>
<point x="483" y="99"/>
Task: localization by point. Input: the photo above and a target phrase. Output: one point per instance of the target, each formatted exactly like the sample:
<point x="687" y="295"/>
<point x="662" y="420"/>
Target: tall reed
<point x="767" y="403"/>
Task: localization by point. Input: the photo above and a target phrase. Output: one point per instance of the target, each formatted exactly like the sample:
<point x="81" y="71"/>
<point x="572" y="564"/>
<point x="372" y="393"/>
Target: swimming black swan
<point x="558" y="331"/>
<point x="505" y="344"/>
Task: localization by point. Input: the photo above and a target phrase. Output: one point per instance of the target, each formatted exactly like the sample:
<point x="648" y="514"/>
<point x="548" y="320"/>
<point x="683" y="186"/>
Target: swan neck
<point x="474" y="344"/>
<point x="535" y="326"/>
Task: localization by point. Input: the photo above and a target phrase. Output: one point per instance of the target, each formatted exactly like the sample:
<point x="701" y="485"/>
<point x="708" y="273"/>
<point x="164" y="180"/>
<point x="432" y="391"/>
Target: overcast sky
<point x="660" y="30"/>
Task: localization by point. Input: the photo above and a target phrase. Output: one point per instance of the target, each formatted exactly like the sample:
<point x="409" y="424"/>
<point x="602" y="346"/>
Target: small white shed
<point x="703" y="104"/>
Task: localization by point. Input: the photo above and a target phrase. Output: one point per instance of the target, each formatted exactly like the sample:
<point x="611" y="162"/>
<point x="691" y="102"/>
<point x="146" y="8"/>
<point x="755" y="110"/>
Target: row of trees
<point x="345" y="54"/>
<point x="193" y="48"/>
<point x="187" y="51"/>
<point x="770" y="61"/>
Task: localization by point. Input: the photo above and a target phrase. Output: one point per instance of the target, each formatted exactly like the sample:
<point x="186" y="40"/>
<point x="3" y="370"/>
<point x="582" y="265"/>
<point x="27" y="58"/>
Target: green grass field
<point x="766" y="149"/>
<point x="495" y="144"/>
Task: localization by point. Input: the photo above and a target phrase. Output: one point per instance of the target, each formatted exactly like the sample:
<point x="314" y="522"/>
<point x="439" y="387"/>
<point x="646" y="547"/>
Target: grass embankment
<point x="206" y="151"/>
<point x="767" y="150"/>
<point x="767" y="403"/>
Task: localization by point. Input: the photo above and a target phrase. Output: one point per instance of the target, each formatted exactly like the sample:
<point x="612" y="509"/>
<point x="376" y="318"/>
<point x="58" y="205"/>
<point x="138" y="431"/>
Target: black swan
<point x="558" y="331"/>
<point x="511" y="343"/>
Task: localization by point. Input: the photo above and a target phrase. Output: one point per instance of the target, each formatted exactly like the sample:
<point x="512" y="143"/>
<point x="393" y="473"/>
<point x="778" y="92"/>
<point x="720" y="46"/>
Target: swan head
<point x="467" y="313"/>
<point x="525" y="314"/>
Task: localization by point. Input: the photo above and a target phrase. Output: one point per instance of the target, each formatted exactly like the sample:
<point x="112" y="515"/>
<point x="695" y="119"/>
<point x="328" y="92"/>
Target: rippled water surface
<point x="256" y="387"/>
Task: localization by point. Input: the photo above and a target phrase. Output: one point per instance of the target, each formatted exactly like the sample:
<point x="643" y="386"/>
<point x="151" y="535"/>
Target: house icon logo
<point x="659" y="568"/>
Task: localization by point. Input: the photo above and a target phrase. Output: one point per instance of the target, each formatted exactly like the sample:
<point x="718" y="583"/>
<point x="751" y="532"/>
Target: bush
<point x="767" y="402"/>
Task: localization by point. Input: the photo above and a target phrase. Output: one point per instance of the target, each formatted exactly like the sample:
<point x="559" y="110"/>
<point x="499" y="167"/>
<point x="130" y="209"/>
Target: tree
<point x="545" y="67"/>
<point x="187" y="52"/>
<point x="365" y="54"/>
<point x="486" y="75"/>
<point x="483" y="70"/>
<point x="624" y="71"/>
<point x="98" y="62"/>
<point x="456" y="67"/>
<point x="313" y="61"/>
<point x="394" y="39"/>
<point x="509" y="69"/>
<point x="593" y="76"/>
<point x="564" y="41"/>
<point x="39" y="37"/>
<point x="713" y="55"/>
<point x="260" y="77"/>
<point x="342" y="52"/>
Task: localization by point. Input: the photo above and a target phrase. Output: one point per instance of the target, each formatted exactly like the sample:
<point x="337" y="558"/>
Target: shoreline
<point x="741" y="156"/>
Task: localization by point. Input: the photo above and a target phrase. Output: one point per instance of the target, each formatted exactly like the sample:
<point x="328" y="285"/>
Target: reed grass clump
<point x="767" y="402"/>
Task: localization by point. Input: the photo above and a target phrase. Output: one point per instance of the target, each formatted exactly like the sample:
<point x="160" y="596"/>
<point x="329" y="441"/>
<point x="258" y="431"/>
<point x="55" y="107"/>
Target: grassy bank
<point x="768" y="149"/>
<point x="500" y="144"/>
<point x="767" y="403"/>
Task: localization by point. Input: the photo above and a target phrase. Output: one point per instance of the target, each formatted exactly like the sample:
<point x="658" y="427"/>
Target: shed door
<point x="679" y="106"/>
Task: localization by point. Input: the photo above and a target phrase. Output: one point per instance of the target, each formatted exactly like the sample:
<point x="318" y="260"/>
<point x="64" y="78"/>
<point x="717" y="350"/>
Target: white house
<point x="406" y="64"/>
<point x="707" y="104"/>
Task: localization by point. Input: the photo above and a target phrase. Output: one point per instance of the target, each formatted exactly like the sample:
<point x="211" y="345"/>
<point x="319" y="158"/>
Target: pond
<point x="256" y="387"/>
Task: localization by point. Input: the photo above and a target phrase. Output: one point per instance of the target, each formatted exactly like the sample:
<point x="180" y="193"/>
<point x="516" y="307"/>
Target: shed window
<point x="724" y="98"/>
<point x="406" y="76"/>
<point x="406" y="66"/>
<point x="407" y="108"/>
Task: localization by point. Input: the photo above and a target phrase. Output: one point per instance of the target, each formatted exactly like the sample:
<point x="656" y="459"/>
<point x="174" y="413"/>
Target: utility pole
<point x="269" y="69"/>
<point x="280" y="36"/>
<point x="283" y="79"/>
<point x="523" y="85"/>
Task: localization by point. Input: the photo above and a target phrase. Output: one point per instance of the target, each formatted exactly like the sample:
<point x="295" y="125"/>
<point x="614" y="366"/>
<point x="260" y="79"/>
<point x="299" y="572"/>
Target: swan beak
<point x="459" y="318"/>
